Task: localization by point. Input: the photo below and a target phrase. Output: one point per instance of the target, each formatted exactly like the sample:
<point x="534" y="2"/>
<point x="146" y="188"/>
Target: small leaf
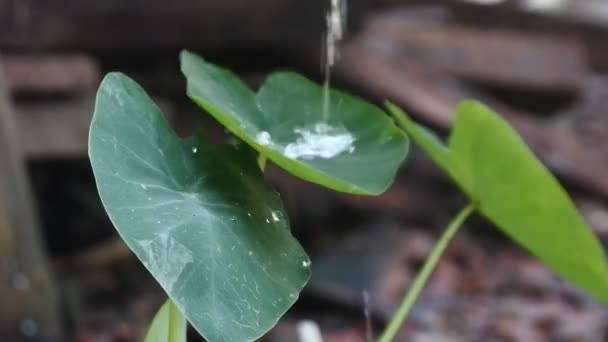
<point x="512" y="188"/>
<point x="199" y="217"/>
<point x="168" y="325"/>
<point x="352" y="147"/>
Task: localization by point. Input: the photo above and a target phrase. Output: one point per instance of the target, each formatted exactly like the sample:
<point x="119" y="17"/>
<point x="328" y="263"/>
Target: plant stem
<point x="262" y="161"/>
<point x="424" y="274"/>
<point x="178" y="326"/>
<point x="168" y="325"/>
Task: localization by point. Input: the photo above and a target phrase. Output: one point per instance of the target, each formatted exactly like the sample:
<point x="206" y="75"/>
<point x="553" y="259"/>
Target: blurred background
<point x="543" y="64"/>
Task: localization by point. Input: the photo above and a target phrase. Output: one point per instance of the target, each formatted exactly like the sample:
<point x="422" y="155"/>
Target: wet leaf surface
<point x="344" y="144"/>
<point x="200" y="217"/>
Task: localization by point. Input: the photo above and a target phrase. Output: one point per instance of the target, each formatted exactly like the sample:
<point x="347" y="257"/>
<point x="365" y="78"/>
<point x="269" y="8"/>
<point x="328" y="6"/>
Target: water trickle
<point x="336" y="27"/>
<point x="143" y="186"/>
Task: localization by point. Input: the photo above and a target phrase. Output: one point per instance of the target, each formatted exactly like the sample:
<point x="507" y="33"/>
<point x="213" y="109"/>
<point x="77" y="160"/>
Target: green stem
<point x="169" y="324"/>
<point x="262" y="161"/>
<point x="424" y="274"/>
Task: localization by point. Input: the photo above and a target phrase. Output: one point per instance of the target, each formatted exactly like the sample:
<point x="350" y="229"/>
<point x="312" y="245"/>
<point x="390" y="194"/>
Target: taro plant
<point x="215" y="235"/>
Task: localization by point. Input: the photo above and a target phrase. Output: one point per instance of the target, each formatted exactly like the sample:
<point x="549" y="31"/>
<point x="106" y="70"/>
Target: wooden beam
<point x="432" y="96"/>
<point x="500" y="57"/>
<point x="133" y="25"/>
<point x="51" y="74"/>
<point x="61" y="128"/>
<point x="27" y="289"/>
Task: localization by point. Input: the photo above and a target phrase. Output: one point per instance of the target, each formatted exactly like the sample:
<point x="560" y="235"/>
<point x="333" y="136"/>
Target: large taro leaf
<point x="351" y="147"/>
<point x="199" y="217"/>
<point x="511" y="187"/>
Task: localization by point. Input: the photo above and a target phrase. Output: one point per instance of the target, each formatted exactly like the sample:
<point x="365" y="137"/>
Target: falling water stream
<point x="320" y="139"/>
<point x="336" y="27"/>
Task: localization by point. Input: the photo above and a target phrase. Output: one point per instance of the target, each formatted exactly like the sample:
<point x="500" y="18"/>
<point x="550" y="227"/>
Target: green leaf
<point x="199" y="217"/>
<point x="169" y="325"/>
<point x="353" y="147"/>
<point x="512" y="188"/>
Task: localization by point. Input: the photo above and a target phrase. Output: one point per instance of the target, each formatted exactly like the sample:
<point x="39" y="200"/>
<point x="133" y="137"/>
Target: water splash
<point x="318" y="141"/>
<point x="336" y="27"/>
<point x="322" y="141"/>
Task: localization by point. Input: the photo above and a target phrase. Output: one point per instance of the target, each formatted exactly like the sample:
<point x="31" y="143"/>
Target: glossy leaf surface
<point x="351" y="147"/>
<point x="199" y="217"/>
<point x="512" y="188"/>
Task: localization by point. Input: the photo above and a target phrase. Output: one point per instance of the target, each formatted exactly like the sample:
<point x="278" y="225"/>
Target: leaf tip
<point x="469" y="105"/>
<point x="185" y="55"/>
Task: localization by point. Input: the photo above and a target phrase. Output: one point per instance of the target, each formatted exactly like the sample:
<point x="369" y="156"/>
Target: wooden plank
<point x="27" y="290"/>
<point x="508" y="15"/>
<point x="432" y="96"/>
<point x="133" y="25"/>
<point x="51" y="74"/>
<point x="500" y="57"/>
<point x="60" y="128"/>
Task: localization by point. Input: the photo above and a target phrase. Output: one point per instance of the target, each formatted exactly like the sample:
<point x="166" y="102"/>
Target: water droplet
<point x="267" y="221"/>
<point x="250" y="253"/>
<point x="263" y="138"/>
<point x="21" y="282"/>
<point x="292" y="295"/>
<point x="306" y="263"/>
<point x="275" y="217"/>
<point x="194" y="149"/>
<point x="28" y="327"/>
<point x="249" y="214"/>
